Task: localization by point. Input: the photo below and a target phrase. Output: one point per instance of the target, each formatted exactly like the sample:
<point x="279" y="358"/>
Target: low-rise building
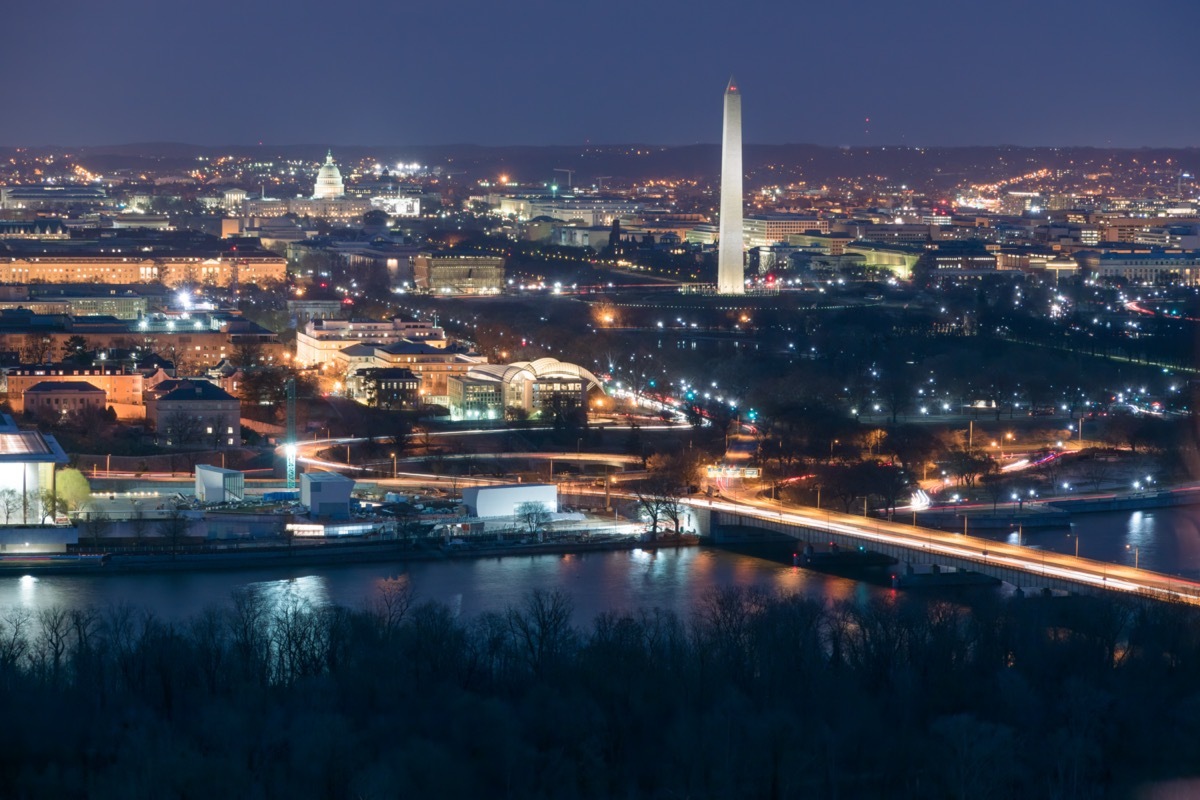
<point x="326" y="494"/>
<point x="433" y="366"/>
<point x="56" y="399"/>
<point x="122" y="386"/>
<point x="763" y="230"/>
<point x="390" y="388"/>
<point x="186" y="412"/>
<point x="218" y="485"/>
<point x="507" y="500"/>
<point x="452" y="273"/>
<point x="28" y="460"/>
<point x="322" y="339"/>
<point x="546" y="387"/>
<point x="1155" y="267"/>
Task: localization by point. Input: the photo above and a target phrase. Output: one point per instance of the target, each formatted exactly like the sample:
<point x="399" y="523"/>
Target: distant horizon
<point x="580" y="145"/>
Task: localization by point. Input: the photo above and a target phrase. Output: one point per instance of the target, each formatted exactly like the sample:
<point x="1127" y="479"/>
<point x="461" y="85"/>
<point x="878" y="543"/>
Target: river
<point x="1164" y="540"/>
<point x="1167" y="540"/>
<point x="671" y="578"/>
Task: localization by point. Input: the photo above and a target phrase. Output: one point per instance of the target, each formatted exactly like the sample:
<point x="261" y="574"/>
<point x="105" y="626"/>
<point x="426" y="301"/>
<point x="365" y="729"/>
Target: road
<point x="982" y="552"/>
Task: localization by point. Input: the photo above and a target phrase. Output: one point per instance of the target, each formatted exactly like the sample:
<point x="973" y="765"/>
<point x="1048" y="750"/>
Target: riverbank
<point x="325" y="555"/>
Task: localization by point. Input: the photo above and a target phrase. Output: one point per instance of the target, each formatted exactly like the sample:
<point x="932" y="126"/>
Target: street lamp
<point x="831" y="444"/>
<point x="1135" y="554"/>
<point x="395" y="474"/>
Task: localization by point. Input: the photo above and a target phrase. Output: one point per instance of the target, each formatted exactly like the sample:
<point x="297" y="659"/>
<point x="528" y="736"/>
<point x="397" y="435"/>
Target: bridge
<point x="1024" y="567"/>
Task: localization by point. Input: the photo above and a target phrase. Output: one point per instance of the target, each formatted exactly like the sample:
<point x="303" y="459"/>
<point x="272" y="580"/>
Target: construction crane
<point x="289" y="446"/>
<point x="601" y="179"/>
<point x="570" y="174"/>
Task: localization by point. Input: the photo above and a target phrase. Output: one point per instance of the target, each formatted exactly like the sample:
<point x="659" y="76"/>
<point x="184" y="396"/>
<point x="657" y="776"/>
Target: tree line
<point x="754" y="695"/>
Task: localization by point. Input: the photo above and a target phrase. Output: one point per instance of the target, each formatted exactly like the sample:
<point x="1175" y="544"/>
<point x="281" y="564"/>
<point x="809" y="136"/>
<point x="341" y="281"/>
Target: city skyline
<point x="941" y="75"/>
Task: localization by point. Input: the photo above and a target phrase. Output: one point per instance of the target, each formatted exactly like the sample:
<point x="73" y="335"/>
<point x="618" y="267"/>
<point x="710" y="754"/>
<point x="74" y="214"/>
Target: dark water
<point x="1165" y="540"/>
<point x="671" y="579"/>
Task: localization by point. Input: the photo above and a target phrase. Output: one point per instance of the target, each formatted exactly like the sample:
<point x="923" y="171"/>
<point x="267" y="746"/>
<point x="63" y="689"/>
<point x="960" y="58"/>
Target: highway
<point x="987" y="556"/>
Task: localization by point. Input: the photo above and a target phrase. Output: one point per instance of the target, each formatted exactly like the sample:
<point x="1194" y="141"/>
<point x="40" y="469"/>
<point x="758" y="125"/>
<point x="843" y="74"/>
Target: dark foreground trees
<point x="754" y="696"/>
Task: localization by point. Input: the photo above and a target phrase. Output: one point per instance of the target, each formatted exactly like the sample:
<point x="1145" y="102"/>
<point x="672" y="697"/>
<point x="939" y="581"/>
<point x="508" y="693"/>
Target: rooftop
<point x="46" y="387"/>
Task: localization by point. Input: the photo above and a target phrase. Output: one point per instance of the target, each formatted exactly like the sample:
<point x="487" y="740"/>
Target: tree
<point x="888" y="482"/>
<point x="53" y="505"/>
<point x="174" y="527"/>
<point x="966" y="467"/>
<point x="533" y="515"/>
<point x="912" y="445"/>
<point x="138" y="523"/>
<point x="996" y="485"/>
<point x="73" y="489"/>
<point x="95" y="525"/>
<point x="181" y="428"/>
<point x="248" y="353"/>
<point x="36" y="348"/>
<point x="10" y="504"/>
<point x="658" y="499"/>
<point x="76" y="349"/>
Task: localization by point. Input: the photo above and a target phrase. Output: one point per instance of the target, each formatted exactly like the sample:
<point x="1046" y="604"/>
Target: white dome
<point x="329" y="180"/>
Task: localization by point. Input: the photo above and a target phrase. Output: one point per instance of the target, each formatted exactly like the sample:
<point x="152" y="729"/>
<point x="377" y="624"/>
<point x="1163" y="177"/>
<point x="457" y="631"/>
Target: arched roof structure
<point x="539" y="369"/>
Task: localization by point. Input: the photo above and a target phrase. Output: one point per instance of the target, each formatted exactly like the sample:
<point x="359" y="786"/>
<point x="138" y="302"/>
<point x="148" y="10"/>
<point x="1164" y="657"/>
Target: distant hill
<point x="923" y="168"/>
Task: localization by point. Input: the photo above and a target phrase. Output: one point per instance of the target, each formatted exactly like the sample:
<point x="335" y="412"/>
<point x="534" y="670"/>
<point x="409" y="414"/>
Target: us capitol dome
<point x="329" y="184"/>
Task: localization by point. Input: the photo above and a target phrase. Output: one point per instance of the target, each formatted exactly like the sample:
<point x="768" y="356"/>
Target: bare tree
<point x="10" y="503"/>
<point x="138" y="522"/>
<point x="95" y="525"/>
<point x="181" y="427"/>
<point x="174" y="527"/>
<point x="393" y="597"/>
<point x="36" y="348"/>
<point x="533" y="514"/>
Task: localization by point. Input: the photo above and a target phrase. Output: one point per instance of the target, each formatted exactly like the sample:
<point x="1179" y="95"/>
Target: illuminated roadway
<point x="1021" y="566"/>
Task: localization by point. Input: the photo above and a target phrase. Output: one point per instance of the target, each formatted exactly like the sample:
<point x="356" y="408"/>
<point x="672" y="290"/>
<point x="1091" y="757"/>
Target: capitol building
<point x="329" y="184"/>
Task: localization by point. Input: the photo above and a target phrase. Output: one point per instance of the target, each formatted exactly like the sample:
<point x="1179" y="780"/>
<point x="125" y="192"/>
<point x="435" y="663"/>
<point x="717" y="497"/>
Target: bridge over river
<point x="1024" y="567"/>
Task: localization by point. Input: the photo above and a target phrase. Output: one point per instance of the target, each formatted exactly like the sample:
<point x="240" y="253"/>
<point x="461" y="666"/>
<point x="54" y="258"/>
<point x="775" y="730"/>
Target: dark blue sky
<point x="926" y="72"/>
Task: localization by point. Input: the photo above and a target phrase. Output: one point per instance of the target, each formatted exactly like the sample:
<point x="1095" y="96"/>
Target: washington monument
<point x="730" y="270"/>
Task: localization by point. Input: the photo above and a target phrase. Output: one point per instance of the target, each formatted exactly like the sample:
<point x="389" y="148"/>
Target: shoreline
<point x="323" y="555"/>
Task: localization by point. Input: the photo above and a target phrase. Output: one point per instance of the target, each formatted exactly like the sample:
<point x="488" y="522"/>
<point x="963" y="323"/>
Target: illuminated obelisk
<point x="730" y="270"/>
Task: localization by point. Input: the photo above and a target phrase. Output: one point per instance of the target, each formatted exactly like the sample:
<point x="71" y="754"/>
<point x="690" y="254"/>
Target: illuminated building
<point x="329" y="184"/>
<point x="102" y="263"/>
<point x="187" y="412"/>
<point x="448" y="273"/>
<point x="33" y="229"/>
<point x="45" y="197"/>
<point x="27" y="464"/>
<point x="1156" y="267"/>
<point x="764" y="230"/>
<point x="195" y="341"/>
<point x="433" y="366"/>
<point x="58" y="398"/>
<point x="545" y="386"/>
<point x="391" y="388"/>
<point x="120" y="385"/>
<point x="585" y="211"/>
<point x="322" y="339"/>
<point x="731" y="260"/>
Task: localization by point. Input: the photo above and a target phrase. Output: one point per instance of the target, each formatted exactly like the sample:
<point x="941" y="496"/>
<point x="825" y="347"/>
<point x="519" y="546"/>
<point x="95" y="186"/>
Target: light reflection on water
<point x="1164" y="539"/>
<point x="669" y="578"/>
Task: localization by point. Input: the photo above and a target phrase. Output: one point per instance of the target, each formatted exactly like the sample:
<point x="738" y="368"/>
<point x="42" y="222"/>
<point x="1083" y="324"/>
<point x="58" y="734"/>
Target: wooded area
<point x="756" y="696"/>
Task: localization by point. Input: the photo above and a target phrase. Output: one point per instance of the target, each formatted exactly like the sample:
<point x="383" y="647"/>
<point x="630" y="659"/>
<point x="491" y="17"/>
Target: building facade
<point x="53" y="399"/>
<point x="186" y="412"/>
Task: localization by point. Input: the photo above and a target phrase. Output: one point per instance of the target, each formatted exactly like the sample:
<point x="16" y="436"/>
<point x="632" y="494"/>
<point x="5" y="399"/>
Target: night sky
<point x="930" y="72"/>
